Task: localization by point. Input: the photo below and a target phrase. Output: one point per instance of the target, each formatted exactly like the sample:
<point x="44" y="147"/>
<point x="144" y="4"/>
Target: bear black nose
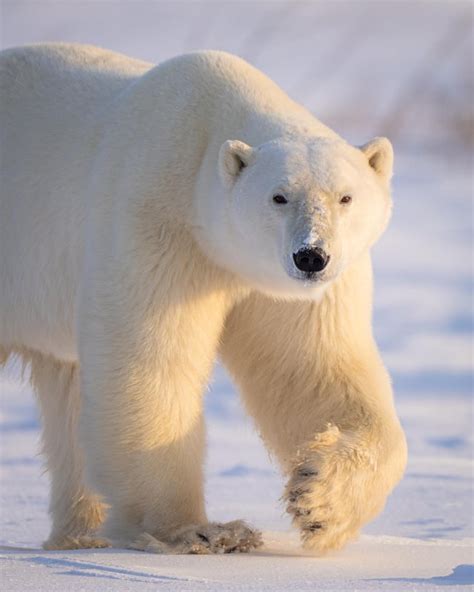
<point x="311" y="259"/>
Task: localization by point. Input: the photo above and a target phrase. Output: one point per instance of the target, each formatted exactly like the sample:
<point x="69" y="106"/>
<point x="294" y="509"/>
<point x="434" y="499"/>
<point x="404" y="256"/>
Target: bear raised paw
<point x="333" y="489"/>
<point x="152" y="219"/>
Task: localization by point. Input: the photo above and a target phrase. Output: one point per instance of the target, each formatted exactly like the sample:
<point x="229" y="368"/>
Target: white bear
<point x="153" y="218"/>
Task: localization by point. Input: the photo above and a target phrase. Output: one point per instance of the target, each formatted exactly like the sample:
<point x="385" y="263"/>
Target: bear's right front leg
<point x="143" y="368"/>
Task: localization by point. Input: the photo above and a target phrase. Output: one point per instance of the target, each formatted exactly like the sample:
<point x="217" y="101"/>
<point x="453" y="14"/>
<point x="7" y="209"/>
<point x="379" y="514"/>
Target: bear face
<point x="290" y="215"/>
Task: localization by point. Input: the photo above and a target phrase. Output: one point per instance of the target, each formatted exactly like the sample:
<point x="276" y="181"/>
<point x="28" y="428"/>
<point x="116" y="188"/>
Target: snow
<point x="364" y="68"/>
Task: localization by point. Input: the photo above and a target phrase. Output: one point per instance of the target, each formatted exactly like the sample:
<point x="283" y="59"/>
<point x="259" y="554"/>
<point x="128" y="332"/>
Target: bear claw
<point x="304" y="473"/>
<point x="314" y="526"/>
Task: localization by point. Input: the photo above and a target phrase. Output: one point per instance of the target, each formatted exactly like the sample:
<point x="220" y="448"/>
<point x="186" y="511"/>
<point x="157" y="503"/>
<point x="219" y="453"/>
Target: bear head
<point x="290" y="215"/>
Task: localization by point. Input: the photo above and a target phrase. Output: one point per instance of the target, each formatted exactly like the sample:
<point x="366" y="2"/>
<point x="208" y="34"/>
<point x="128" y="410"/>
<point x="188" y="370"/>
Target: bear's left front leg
<point x="323" y="403"/>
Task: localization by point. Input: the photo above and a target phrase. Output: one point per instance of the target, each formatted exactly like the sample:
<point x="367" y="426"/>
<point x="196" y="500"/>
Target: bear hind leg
<point x="76" y="512"/>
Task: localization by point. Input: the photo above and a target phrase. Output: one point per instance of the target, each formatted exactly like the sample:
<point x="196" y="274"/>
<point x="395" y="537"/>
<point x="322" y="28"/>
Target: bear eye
<point x="280" y="199"/>
<point x="345" y="199"/>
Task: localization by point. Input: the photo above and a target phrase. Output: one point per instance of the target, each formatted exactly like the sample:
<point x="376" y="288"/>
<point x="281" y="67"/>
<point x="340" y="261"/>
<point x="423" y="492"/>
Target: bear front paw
<point x="332" y="490"/>
<point x="213" y="537"/>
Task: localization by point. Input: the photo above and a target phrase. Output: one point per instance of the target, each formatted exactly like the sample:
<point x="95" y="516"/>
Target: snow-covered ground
<point x="365" y="68"/>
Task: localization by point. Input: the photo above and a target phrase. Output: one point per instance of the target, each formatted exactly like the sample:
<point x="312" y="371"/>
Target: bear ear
<point x="234" y="156"/>
<point x="379" y="153"/>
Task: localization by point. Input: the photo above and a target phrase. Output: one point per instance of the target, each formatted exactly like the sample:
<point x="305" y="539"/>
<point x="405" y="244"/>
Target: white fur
<point x="138" y="237"/>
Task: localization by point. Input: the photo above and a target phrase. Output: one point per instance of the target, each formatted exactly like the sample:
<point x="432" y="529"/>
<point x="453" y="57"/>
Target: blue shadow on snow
<point x="462" y="575"/>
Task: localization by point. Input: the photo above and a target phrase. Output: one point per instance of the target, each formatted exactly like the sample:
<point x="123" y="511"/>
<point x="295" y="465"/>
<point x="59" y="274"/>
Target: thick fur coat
<point x="153" y="218"/>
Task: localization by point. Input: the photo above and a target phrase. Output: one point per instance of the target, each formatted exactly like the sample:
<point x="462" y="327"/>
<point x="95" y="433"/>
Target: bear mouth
<point x="310" y="277"/>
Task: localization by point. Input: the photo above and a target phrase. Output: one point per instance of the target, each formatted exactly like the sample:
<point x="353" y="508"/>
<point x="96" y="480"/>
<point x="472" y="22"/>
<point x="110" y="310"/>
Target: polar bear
<point x="153" y="218"/>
